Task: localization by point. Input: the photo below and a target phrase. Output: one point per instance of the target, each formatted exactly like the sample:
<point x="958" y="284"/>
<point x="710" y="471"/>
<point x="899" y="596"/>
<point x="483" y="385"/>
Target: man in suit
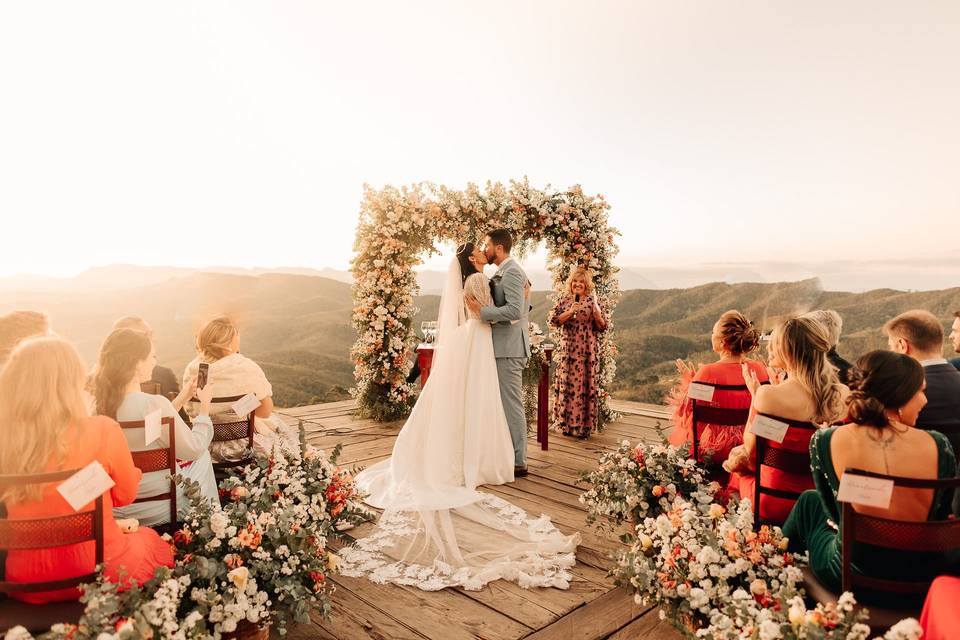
<point x="511" y="341"/>
<point x="955" y="338"/>
<point x="919" y="334"/>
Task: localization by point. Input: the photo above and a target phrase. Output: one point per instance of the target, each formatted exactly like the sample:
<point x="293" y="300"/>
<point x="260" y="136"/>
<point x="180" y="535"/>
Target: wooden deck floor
<point x="591" y="608"/>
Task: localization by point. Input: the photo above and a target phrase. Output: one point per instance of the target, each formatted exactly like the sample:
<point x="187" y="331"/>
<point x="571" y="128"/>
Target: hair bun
<point x="865" y="409"/>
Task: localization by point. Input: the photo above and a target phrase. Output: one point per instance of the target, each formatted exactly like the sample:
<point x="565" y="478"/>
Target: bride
<point x="437" y="530"/>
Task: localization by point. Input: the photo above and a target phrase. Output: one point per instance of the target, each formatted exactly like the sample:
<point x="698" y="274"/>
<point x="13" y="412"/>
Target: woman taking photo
<point x="127" y="359"/>
<point x="887" y="398"/>
<point x="46" y="428"/>
<point x="579" y="318"/>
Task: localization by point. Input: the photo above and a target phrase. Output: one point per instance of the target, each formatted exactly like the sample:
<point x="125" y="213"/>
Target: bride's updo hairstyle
<point x="881" y="381"/>
<point x="802" y="344"/>
<point x="737" y="335"/>
<point x="464" y="252"/>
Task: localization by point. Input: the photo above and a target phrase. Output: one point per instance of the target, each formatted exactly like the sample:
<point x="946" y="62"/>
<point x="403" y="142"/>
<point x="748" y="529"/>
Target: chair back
<point x="164" y="459"/>
<point x="242" y="429"/>
<point x="926" y="536"/>
<point x="775" y="457"/>
<point x="705" y="413"/>
<point x="150" y="387"/>
<point x="55" y="531"/>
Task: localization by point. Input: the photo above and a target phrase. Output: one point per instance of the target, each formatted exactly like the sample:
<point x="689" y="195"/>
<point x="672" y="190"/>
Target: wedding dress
<point x="437" y="530"/>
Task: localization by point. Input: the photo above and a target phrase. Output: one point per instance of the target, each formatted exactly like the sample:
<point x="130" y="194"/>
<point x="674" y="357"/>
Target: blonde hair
<point x="120" y="354"/>
<point x="134" y="322"/>
<point x="17" y="326"/>
<point x="41" y="396"/>
<point x="802" y="343"/>
<point x="580" y="273"/>
<point x="213" y="341"/>
<point x="830" y="320"/>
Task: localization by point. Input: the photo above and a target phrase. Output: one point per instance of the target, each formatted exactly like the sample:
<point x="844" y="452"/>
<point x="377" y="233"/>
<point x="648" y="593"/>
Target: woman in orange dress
<point x="46" y="428"/>
<point x="733" y="339"/>
<point x="810" y="397"/>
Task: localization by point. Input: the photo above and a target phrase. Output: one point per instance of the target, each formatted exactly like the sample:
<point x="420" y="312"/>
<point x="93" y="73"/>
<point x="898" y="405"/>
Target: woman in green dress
<point x="881" y="437"/>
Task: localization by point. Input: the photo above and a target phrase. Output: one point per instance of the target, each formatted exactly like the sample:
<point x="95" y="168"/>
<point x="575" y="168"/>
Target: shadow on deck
<point x="591" y="608"/>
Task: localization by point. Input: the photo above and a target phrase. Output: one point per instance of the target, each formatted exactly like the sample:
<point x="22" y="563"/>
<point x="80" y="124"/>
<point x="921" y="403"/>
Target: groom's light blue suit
<point x="511" y="346"/>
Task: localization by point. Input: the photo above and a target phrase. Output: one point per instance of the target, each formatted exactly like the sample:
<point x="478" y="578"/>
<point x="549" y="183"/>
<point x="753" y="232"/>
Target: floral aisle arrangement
<point x="701" y="562"/>
<point x="631" y="484"/>
<point x="398" y="227"/>
<point x="259" y="561"/>
<point x="531" y="373"/>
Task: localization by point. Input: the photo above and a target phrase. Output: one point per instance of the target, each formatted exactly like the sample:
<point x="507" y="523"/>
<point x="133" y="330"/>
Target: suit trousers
<point x="510" y="375"/>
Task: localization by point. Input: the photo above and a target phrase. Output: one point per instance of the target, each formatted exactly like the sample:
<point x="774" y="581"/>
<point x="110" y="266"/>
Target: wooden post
<point x="424" y="361"/>
<point x="543" y="399"/>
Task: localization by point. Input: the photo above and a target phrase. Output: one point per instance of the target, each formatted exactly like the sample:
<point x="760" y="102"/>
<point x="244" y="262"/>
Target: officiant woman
<point x="579" y="319"/>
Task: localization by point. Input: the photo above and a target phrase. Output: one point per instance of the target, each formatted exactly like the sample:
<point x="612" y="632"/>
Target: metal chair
<point x="242" y="429"/>
<point x="42" y="533"/>
<point x="906" y="596"/>
<point x="795" y="462"/>
<point x="705" y="412"/>
<point x="158" y="460"/>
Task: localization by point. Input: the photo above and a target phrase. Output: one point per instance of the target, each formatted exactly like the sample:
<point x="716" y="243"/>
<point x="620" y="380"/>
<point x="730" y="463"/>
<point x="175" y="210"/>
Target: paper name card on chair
<point x="767" y="427"/>
<point x="245" y="405"/>
<point x="865" y="491"/>
<point x="151" y="427"/>
<point x="86" y="485"/>
<point x="698" y="391"/>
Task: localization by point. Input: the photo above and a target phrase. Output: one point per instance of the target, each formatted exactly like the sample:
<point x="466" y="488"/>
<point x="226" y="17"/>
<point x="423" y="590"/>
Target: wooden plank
<point x="435" y="614"/>
<point x="598" y="619"/>
<point x="650" y="626"/>
<point x="351" y="617"/>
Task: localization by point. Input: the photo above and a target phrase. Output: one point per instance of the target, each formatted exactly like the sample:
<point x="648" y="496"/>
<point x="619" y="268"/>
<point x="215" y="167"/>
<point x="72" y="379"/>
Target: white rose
<point x="239" y="577"/>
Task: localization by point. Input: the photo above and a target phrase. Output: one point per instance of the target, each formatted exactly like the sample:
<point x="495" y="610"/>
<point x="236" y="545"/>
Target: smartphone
<point x="202" y="374"/>
<point x="576" y="298"/>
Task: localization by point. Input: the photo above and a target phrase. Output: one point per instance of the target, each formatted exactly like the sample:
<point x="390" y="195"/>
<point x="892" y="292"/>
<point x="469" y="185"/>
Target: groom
<point x="511" y="342"/>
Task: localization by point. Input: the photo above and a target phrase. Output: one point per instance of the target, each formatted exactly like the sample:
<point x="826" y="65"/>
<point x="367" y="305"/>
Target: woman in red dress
<point x="811" y="393"/>
<point x="579" y="318"/>
<point x="733" y="339"/>
<point x="46" y="428"/>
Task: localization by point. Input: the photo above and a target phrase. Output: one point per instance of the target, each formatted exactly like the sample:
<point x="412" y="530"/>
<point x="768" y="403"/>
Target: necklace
<point x="885" y="443"/>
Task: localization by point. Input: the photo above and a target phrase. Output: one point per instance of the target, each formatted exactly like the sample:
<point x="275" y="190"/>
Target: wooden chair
<point x="795" y="462"/>
<point x="242" y="429"/>
<point x="151" y="387"/>
<point x="705" y="412"/>
<point x="857" y="528"/>
<point x="158" y="460"/>
<point x="43" y="533"/>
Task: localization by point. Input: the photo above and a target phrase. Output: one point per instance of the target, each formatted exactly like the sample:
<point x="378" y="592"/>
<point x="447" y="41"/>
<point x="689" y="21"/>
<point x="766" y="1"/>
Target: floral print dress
<point x="575" y="382"/>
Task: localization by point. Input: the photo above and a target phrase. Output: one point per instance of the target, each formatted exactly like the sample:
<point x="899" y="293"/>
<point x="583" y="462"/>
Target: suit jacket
<point x="942" y="412"/>
<point x="510" y="315"/>
<point x="956" y="363"/>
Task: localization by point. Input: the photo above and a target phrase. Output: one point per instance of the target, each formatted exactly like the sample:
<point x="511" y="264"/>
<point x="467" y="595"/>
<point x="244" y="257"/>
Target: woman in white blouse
<point x="232" y="374"/>
<point x="126" y="360"/>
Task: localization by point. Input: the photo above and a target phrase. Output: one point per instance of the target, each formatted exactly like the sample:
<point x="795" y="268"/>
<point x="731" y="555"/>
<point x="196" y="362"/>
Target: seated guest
<point x="46" y="428"/>
<point x="811" y="395"/>
<point x="881" y="437"/>
<point x="833" y="323"/>
<point x="164" y="376"/>
<point x="733" y="339"/>
<point x="955" y="338"/>
<point x="17" y="326"/>
<point x="127" y="359"/>
<point x="231" y="374"/>
<point x="919" y="335"/>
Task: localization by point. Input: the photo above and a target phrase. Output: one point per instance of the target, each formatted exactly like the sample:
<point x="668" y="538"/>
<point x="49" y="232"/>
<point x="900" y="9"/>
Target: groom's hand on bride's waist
<point x="472" y="303"/>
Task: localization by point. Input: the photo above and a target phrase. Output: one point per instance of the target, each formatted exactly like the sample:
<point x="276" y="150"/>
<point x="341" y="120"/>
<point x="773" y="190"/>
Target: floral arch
<point x="399" y="227"/>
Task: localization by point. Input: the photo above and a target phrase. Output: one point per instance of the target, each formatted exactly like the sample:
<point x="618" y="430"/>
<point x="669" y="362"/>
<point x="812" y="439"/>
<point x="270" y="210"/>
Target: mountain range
<point x="298" y="326"/>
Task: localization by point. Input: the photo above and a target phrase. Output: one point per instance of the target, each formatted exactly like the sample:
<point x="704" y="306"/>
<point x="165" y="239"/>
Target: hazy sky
<point x="240" y="133"/>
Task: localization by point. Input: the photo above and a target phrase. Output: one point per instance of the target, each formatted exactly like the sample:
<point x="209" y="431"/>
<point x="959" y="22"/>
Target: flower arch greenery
<point x="399" y="227"/>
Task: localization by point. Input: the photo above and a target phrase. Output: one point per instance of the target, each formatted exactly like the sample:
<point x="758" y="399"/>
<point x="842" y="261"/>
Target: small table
<point x="425" y="361"/>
